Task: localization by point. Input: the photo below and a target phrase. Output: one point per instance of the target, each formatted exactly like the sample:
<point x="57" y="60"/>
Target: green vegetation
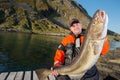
<point x="40" y="16"/>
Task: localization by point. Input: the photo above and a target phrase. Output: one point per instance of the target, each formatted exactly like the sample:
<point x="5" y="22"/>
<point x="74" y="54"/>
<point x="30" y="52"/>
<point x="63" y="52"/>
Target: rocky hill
<point x="41" y="16"/>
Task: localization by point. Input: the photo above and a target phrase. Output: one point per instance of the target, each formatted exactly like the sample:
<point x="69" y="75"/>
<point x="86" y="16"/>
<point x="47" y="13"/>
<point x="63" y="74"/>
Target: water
<point x="26" y="51"/>
<point x="29" y="51"/>
<point x="114" y="45"/>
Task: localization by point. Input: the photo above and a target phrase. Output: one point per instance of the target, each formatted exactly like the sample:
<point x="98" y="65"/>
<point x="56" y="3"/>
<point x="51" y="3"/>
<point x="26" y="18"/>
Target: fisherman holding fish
<point x="70" y="47"/>
<point x="78" y="52"/>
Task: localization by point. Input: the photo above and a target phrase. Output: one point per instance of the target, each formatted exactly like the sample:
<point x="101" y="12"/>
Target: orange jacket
<point x="59" y="56"/>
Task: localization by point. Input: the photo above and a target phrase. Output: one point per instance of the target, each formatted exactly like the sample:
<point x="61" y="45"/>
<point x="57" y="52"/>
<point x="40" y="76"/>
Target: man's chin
<point x="76" y="33"/>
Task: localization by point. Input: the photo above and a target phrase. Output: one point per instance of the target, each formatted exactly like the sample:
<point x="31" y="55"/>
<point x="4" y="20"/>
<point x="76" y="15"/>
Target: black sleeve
<point x="61" y="47"/>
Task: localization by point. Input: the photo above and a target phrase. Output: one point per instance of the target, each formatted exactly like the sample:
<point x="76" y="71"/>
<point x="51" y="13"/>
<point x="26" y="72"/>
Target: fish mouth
<point x="103" y="15"/>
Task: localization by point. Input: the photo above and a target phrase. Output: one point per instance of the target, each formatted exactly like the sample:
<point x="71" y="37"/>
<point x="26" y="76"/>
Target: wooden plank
<point x="3" y="76"/>
<point x="11" y="76"/>
<point x="27" y="75"/>
<point x="19" y="75"/>
<point x="35" y="77"/>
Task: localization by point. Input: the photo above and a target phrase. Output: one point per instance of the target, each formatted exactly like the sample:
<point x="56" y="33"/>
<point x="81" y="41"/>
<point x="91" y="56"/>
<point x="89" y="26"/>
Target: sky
<point x="110" y="6"/>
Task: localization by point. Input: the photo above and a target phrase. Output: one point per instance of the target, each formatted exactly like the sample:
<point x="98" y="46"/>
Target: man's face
<point x="76" y="28"/>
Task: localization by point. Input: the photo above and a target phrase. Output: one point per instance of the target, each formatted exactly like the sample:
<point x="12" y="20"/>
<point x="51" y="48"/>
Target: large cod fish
<point x="89" y="52"/>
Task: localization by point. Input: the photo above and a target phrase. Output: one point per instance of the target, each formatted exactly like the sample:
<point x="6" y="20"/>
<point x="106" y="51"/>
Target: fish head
<point x="98" y="24"/>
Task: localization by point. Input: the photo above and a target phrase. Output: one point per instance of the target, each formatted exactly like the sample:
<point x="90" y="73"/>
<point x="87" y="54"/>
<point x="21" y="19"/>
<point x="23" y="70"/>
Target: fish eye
<point x="93" y="23"/>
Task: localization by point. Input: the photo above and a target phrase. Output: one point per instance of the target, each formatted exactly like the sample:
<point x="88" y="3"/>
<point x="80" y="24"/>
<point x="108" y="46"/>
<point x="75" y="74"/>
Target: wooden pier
<point x="20" y="75"/>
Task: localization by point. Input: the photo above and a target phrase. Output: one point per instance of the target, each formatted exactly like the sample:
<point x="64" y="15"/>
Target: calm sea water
<point x="26" y="51"/>
<point x="114" y="45"/>
<point x="29" y="51"/>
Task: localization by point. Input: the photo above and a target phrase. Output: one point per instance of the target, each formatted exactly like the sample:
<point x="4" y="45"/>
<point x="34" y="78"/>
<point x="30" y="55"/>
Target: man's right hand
<point x="54" y="72"/>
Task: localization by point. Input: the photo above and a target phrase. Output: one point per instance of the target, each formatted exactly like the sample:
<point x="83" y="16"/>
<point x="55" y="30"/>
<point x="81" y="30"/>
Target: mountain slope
<point x="40" y="16"/>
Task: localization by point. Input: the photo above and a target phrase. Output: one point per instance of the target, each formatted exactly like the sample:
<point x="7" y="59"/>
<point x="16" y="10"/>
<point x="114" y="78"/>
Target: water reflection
<point x="25" y="51"/>
<point x="114" y="45"/>
<point x="28" y="51"/>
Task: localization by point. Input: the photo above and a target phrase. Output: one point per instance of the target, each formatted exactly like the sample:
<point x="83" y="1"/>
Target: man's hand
<point x="54" y="72"/>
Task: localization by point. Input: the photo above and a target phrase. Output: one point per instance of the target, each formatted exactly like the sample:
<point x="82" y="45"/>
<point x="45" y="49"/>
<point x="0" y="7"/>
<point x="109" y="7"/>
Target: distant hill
<point x="41" y="16"/>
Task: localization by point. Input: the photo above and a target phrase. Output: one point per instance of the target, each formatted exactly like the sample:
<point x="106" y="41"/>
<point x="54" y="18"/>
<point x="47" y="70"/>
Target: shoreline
<point x="30" y="32"/>
<point x="110" y="36"/>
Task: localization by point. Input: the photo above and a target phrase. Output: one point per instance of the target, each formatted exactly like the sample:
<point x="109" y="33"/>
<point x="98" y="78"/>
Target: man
<point x="70" y="46"/>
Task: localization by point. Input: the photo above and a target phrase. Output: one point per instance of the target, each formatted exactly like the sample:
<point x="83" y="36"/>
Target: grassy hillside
<point x="40" y="16"/>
